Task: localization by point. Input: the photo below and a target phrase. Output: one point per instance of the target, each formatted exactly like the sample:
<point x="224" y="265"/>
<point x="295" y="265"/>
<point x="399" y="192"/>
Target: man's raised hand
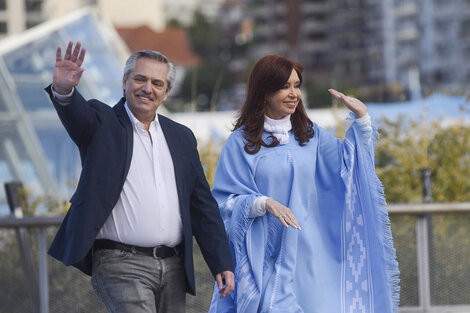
<point x="68" y="71"/>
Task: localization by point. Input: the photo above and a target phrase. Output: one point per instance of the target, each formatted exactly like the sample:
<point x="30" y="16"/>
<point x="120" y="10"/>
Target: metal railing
<point x="423" y="213"/>
<point x="423" y="236"/>
<point x="41" y="223"/>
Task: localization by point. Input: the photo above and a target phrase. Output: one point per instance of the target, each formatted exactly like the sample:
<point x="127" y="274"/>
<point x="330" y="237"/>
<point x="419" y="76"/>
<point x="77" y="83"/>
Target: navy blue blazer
<point x="104" y="136"/>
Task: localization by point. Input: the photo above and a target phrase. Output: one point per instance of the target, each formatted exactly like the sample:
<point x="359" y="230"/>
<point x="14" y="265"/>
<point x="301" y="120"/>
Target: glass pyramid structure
<point x="34" y="147"/>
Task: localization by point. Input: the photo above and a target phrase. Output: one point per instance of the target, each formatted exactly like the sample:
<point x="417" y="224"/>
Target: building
<point x="375" y="43"/>
<point x="417" y="46"/>
<point x="445" y="44"/>
<point x="183" y="10"/>
<point x="382" y="48"/>
<point x="125" y="13"/>
<point x="297" y="29"/>
<point x="19" y="15"/>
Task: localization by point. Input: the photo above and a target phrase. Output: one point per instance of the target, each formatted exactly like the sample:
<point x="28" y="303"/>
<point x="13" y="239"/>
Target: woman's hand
<point x="283" y="213"/>
<point x="351" y="103"/>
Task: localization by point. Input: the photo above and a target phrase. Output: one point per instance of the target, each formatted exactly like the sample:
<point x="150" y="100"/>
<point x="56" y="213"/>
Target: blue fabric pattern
<point x="342" y="261"/>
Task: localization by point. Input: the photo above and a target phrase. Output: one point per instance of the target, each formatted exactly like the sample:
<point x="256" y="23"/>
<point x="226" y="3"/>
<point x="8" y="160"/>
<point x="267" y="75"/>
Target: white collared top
<point x="147" y="212"/>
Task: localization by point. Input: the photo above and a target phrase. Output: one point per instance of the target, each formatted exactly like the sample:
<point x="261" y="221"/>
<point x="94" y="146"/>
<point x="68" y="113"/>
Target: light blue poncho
<point x="342" y="261"/>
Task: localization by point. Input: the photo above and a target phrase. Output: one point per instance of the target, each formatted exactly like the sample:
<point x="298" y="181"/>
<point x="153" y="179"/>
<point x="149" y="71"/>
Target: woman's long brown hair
<point x="269" y="75"/>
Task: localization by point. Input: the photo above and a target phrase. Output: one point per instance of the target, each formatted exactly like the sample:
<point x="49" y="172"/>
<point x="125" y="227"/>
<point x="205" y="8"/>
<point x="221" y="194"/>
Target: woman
<point x="304" y="212"/>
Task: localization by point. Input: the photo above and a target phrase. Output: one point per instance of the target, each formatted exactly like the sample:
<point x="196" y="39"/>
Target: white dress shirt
<point x="147" y="212"/>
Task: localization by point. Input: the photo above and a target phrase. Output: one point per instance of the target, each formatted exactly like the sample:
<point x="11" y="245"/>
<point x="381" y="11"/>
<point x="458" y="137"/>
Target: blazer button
<point x="97" y="228"/>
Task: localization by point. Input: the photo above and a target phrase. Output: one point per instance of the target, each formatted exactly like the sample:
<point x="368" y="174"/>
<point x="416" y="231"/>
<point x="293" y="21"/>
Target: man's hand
<point x="351" y="103"/>
<point x="68" y="71"/>
<point x="225" y="282"/>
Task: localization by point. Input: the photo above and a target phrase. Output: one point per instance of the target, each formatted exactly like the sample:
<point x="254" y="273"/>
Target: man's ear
<point x="124" y="78"/>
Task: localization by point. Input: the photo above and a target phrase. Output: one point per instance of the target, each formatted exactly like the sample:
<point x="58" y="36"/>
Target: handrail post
<point x="424" y="269"/>
<point x="43" y="278"/>
<point x="424" y="242"/>
<point x="15" y="194"/>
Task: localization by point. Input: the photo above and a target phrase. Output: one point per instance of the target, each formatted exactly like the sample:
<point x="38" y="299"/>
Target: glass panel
<point x="35" y="58"/>
<point x="3" y="106"/>
<point x="34" y="97"/>
<point x="450" y="259"/>
<point x="6" y="174"/>
<point x="31" y="66"/>
<point x="404" y="236"/>
<point x="5" y="177"/>
<point x="63" y="157"/>
<point x="13" y="155"/>
<point x="104" y="74"/>
<point x="85" y="31"/>
<point x="106" y="93"/>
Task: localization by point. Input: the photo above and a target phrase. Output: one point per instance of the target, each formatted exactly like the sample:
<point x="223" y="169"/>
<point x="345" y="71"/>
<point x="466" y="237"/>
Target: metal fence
<point x="432" y="242"/>
<point x="433" y="250"/>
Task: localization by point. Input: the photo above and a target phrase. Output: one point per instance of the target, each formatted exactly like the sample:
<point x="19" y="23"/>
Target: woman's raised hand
<point x="351" y="103"/>
<point x="283" y="213"/>
<point x="68" y="71"/>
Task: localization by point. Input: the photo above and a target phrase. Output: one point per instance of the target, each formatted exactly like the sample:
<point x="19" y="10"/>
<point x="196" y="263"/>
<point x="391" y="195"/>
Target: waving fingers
<point x="351" y="103"/>
<point x="68" y="51"/>
<point x="81" y="57"/>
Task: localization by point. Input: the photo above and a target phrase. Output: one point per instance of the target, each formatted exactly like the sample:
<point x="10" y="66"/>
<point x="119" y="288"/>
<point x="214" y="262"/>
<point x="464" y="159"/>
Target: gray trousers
<point x="132" y="283"/>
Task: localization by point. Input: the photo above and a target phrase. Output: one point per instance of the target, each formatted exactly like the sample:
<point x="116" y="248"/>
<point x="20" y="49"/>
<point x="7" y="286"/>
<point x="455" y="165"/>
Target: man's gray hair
<point x="153" y="55"/>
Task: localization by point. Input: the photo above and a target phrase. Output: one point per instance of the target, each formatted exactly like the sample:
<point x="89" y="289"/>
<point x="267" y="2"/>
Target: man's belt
<point x="158" y="252"/>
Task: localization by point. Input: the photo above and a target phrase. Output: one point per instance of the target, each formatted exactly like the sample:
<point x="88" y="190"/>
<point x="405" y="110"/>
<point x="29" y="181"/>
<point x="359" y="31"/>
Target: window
<point x="465" y="29"/>
<point x="33" y="5"/>
<point x="30" y="24"/>
<point x="3" y="28"/>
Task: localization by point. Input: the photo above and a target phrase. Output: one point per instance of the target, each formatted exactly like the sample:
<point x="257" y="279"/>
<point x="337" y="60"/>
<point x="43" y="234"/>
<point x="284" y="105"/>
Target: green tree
<point x="406" y="146"/>
<point x="204" y="37"/>
<point x="449" y="159"/>
<point x="202" y="84"/>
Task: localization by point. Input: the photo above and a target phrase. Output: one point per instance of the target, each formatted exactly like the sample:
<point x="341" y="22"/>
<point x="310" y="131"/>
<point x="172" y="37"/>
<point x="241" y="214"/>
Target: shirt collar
<point x="283" y="124"/>
<point x="135" y="122"/>
<point x="279" y="128"/>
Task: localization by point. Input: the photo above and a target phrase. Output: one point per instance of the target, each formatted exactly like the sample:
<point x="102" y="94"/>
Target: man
<point x="142" y="193"/>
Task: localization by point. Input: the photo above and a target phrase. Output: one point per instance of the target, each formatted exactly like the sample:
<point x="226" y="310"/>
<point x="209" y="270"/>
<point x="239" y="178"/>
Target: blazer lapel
<point x="172" y="144"/>
<point x="123" y="118"/>
<point x="175" y="151"/>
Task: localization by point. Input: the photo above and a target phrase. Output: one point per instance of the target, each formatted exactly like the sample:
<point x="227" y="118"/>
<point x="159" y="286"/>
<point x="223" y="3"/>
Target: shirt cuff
<point x="364" y="119"/>
<point x="259" y="207"/>
<point x="365" y="126"/>
<point x="62" y="99"/>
